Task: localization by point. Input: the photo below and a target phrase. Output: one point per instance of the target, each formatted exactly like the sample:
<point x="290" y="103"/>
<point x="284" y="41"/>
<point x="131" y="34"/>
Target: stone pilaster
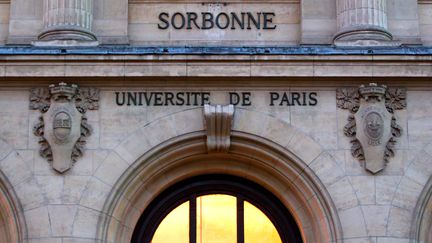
<point x="362" y="22"/>
<point x="67" y="22"/>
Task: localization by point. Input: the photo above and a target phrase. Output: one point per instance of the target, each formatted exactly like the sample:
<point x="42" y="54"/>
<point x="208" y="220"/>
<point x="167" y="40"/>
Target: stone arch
<point x="12" y="223"/>
<point x="267" y="151"/>
<point x="422" y="222"/>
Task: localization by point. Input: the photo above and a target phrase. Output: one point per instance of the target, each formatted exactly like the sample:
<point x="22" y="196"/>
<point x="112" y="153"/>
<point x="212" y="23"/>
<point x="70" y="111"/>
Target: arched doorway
<point x="259" y="157"/>
<point x="216" y="208"/>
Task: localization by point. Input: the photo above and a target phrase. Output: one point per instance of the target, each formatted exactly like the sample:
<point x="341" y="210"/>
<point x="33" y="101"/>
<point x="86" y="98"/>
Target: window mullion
<point x="240" y="220"/>
<point x="192" y="219"/>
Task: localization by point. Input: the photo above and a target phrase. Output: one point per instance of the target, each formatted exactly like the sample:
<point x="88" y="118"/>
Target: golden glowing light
<point x="257" y="227"/>
<point x="175" y="227"/>
<point x="216" y="219"/>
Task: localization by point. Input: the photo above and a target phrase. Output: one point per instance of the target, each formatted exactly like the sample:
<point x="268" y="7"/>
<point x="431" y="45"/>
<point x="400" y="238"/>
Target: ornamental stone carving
<point x="62" y="128"/>
<point x="218" y="122"/>
<point x="372" y="125"/>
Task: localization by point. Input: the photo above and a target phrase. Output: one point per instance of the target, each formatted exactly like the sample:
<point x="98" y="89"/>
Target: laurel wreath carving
<point x="86" y="99"/>
<point x="349" y="99"/>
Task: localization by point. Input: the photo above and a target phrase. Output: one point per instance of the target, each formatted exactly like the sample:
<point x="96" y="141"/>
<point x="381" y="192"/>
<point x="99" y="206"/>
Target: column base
<point x="65" y="43"/>
<point x="363" y="32"/>
<point x="367" y="43"/>
<point x="66" y="36"/>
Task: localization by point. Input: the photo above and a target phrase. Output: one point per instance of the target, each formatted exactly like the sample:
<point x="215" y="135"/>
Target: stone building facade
<point x="106" y="105"/>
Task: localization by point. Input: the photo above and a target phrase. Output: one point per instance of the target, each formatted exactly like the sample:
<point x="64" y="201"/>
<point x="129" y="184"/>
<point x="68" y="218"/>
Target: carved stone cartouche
<point x="371" y="125"/>
<point x="62" y="127"/>
<point x="218" y="122"/>
<point x="374" y="126"/>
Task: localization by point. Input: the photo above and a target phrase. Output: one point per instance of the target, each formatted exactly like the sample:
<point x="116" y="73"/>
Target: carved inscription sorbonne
<point x="372" y="126"/>
<point x="62" y="127"/>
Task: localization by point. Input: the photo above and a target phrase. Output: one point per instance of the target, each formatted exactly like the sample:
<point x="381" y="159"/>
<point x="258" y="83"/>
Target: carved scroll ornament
<point x="372" y="125"/>
<point x="62" y="128"/>
<point x="218" y="122"/>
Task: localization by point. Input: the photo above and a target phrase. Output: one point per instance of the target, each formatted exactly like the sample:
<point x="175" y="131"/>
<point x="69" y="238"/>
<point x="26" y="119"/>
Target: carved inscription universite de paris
<point x="280" y="98"/>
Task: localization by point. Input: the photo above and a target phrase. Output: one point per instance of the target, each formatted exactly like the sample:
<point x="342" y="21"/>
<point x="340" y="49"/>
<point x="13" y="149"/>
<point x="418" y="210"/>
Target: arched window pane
<point x="257" y="227"/>
<point x="175" y="226"/>
<point x="216" y="219"/>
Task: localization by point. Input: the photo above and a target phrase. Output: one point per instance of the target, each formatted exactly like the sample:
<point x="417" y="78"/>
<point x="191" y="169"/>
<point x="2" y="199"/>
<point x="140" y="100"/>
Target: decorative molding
<point x="425" y="1"/>
<point x="62" y="127"/>
<point x="372" y="125"/>
<point x="218" y="122"/>
<point x="213" y="2"/>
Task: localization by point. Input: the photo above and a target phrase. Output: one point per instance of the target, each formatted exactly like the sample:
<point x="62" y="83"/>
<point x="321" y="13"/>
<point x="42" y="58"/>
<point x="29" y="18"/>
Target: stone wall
<point x="371" y="208"/>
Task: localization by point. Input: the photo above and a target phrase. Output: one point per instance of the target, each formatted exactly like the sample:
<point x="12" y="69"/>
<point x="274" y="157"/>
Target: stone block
<point x="353" y="223"/>
<point x="84" y="165"/>
<point x="62" y="219"/>
<point x="275" y="70"/>
<point x="152" y="130"/>
<point x="419" y="117"/>
<point x="376" y="218"/>
<point x="130" y="150"/>
<point x="111" y="169"/>
<point x="16" y="169"/>
<point x="220" y="70"/>
<point x="318" y="30"/>
<point x="38" y="222"/>
<point x="189" y="121"/>
<point x="304" y="147"/>
<point x="364" y="187"/>
<point x="392" y="240"/>
<point x="51" y="187"/>
<point x="116" y="123"/>
<point x="242" y="121"/>
<point x="327" y="169"/>
<point x="342" y="70"/>
<point x="45" y="240"/>
<point x="385" y="187"/>
<point x="399" y="222"/>
<point x="30" y="194"/>
<point x="73" y="188"/>
<point x="396" y="165"/>
<point x="78" y="240"/>
<point x="93" y="119"/>
<point x="143" y="70"/>
<point x="407" y="194"/>
<point x="5" y="149"/>
<point x="14" y="118"/>
<point x="85" y="223"/>
<point x="279" y="132"/>
<point x="343" y="194"/>
<point x="95" y="194"/>
<point x="353" y="166"/>
<point x="320" y="121"/>
<point x="420" y="169"/>
<point x="95" y="70"/>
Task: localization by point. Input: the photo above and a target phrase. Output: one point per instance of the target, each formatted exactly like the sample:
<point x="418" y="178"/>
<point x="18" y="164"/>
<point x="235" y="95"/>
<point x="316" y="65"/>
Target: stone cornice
<point x="212" y="1"/>
<point x="227" y="63"/>
<point x="203" y="68"/>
